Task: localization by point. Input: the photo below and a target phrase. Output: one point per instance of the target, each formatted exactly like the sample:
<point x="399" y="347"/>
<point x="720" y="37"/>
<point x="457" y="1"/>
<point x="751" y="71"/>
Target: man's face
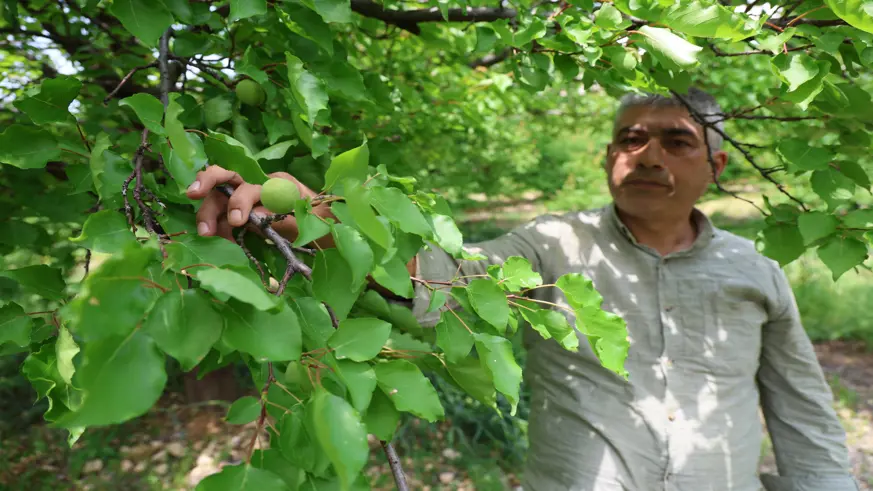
<point x="656" y="164"/>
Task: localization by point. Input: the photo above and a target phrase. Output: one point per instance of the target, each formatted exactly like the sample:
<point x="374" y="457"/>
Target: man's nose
<point x="652" y="154"/>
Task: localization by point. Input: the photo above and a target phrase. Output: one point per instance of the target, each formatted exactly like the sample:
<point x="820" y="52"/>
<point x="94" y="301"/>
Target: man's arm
<point x="808" y="439"/>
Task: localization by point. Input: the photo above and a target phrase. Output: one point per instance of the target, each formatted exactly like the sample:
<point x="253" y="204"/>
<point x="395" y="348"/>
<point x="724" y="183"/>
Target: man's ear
<point x="719" y="159"/>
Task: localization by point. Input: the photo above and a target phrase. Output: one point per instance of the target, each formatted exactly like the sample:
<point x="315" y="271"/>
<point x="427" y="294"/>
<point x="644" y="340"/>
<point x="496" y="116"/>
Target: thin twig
<point x="240" y="240"/>
<point x="739" y="146"/>
<point x="394" y="463"/>
<point x="126" y="78"/>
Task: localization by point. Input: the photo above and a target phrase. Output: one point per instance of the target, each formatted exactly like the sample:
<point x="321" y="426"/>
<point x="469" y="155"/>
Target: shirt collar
<point x="705" y="230"/>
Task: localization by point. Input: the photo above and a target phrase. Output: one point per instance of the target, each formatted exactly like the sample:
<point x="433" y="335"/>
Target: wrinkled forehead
<point x="657" y="119"/>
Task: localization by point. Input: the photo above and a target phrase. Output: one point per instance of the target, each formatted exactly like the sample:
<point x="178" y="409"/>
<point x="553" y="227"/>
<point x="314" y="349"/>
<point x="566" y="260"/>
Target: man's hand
<point x="219" y="214"/>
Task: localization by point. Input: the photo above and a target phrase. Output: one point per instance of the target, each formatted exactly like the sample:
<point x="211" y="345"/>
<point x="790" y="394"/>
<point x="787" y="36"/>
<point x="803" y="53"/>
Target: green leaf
<point x="50" y="101"/>
<point x="121" y="378"/>
<point x="816" y="225"/>
<point x="243" y="410"/>
<point x="841" y="254"/>
<point x="394" y="276"/>
<point x="783" y="243"/>
<point x="15" y="325"/>
<point x="304" y="22"/>
<point x="184" y="145"/>
<point x="195" y="249"/>
<point x="489" y="301"/>
<point x="359" y="339"/>
<point x="518" y="274"/>
<point x="446" y="234"/>
<point x="185" y="326"/>
<point x="229" y="153"/>
<point x="339" y="11"/>
<point x="550" y="324"/>
<point x="857" y="13"/>
<point x="148" y="109"/>
<point x="475" y="379"/>
<point x="45" y="281"/>
<point x="381" y="417"/>
<point x="65" y="350"/>
<point x="802" y="156"/>
<point x="608" y="17"/>
<point x="275" y="152"/>
<point x="351" y="164"/>
<point x="105" y="231"/>
<point x="310" y="227"/>
<point x="833" y="186"/>
<point x="276" y="127"/>
<point x="145" y="19"/>
<point x="437" y="300"/>
<point x="453" y="337"/>
<point x="115" y="296"/>
<point x="229" y="282"/>
<point x="216" y="111"/>
<point x="708" y="19"/>
<point x="409" y="389"/>
<point x="360" y="379"/>
<point x="796" y="69"/>
<point x="859" y="219"/>
<point x="242" y="477"/>
<point x="365" y="217"/>
<point x="397" y="207"/>
<point x="670" y="47"/>
<point x="185" y="171"/>
<point x="495" y="353"/>
<point x="267" y="336"/>
<point x="341" y="434"/>
<point x="855" y="172"/>
<point x="332" y="282"/>
<point x="356" y="251"/>
<point x="309" y="91"/>
<point x="242" y="9"/>
<point x="27" y="147"/>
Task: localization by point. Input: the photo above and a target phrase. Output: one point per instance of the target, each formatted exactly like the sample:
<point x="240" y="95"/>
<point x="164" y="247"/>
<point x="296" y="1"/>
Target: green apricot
<point x="279" y="195"/>
<point x="250" y="92"/>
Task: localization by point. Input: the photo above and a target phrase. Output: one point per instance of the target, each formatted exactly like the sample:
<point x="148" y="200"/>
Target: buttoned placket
<point x="672" y="342"/>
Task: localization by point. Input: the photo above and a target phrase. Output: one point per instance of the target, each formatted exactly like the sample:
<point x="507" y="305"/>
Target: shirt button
<point x="669" y="308"/>
<point x="672" y="417"/>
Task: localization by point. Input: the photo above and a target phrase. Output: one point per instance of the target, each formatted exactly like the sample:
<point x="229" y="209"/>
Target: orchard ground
<point x="176" y="445"/>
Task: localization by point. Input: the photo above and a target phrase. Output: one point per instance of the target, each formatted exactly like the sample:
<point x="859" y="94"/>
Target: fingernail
<point x="202" y="228"/>
<point x="235" y="216"/>
<point x="194" y="187"/>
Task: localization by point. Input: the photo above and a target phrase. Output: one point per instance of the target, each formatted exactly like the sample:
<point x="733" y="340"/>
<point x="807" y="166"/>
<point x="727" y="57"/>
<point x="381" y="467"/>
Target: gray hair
<point x="703" y="104"/>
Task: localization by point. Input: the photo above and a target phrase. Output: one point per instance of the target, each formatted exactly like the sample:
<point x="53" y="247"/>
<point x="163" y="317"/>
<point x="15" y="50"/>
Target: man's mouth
<point x="642" y="183"/>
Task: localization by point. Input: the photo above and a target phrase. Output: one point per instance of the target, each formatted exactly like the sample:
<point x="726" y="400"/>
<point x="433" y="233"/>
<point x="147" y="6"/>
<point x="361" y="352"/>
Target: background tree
<point x="392" y="111"/>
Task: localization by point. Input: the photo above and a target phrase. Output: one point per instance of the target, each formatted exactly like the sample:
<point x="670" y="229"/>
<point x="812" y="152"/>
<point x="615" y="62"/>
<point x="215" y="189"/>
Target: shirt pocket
<point x="725" y="326"/>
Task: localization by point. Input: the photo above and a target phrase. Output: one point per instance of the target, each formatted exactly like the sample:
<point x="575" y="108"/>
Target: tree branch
<point x="396" y="468"/>
<point x="164" y="68"/>
<point x="490" y="59"/>
<point x="765" y="173"/>
<point x="409" y="19"/>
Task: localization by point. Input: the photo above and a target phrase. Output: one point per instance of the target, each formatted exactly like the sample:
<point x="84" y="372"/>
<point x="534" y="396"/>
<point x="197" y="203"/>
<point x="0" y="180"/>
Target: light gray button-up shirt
<point x="714" y="333"/>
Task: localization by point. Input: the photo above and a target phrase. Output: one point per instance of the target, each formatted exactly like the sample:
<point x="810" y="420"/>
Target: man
<point x="713" y="325"/>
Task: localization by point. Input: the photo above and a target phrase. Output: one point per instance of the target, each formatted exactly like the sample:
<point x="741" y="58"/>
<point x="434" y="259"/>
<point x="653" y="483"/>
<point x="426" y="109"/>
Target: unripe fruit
<point x="279" y="195"/>
<point x="250" y="92"/>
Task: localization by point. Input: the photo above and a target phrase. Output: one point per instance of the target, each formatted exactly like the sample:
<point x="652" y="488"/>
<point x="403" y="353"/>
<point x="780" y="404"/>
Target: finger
<point x="209" y="178"/>
<point x="213" y="207"/>
<point x="225" y="230"/>
<point x="241" y="203"/>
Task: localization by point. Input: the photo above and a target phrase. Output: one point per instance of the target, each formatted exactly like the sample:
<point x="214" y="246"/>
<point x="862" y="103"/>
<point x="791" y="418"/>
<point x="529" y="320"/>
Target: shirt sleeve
<point x="808" y="439"/>
<point x="435" y="264"/>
